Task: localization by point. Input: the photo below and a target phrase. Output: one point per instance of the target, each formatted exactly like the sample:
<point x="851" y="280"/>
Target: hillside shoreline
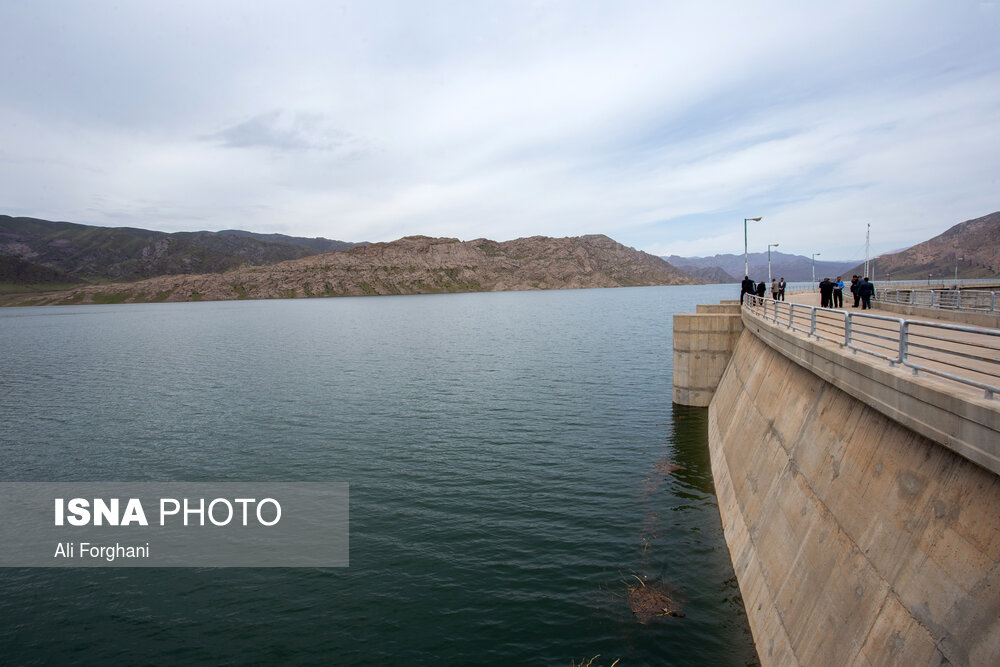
<point x="411" y="265"/>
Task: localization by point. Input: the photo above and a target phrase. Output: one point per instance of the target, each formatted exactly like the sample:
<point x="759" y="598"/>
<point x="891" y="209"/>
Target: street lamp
<point x="957" y="260"/>
<point x="746" y="255"/>
<point x="814" y="265"/>
<point x="769" y="246"/>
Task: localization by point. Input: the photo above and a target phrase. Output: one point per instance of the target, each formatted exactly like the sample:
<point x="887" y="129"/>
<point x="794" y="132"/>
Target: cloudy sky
<point x="661" y="124"/>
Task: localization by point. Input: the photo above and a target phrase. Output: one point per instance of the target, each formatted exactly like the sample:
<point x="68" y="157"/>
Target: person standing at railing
<point x="854" y="290"/>
<point x="774" y="289"/>
<point x="761" y="289"/>
<point x="746" y="287"/>
<point x="838" y="293"/>
<point x="865" y="291"/>
<point x="781" y="289"/>
<point x="825" y="293"/>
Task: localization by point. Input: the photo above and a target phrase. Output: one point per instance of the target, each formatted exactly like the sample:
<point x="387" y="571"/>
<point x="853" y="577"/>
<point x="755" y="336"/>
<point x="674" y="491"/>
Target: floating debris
<point x="590" y="663"/>
<point x="650" y="599"/>
<point x="665" y="467"/>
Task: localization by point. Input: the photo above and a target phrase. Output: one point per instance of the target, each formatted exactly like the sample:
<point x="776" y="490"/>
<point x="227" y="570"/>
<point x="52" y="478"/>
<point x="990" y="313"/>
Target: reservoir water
<point x="514" y="459"/>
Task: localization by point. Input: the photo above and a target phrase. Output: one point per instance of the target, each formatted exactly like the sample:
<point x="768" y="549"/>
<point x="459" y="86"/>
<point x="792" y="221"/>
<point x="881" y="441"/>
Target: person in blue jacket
<point x="838" y="293"/>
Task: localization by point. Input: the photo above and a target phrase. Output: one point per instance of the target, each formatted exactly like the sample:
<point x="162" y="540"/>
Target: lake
<point x="515" y="465"/>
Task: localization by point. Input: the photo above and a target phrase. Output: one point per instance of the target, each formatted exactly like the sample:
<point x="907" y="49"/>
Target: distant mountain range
<point x="974" y="243"/>
<point x="65" y="252"/>
<point x="412" y="265"/>
<point x="729" y="268"/>
<point x="39" y="256"/>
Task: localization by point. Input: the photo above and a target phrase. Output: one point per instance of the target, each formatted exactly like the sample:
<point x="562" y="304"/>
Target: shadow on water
<point x="681" y="542"/>
<point x="692" y="457"/>
<point x="689" y="442"/>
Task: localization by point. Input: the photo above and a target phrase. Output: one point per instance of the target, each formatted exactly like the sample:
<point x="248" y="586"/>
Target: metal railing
<point x="953" y="299"/>
<point x="937" y="283"/>
<point x="964" y="354"/>
<point x="942" y="282"/>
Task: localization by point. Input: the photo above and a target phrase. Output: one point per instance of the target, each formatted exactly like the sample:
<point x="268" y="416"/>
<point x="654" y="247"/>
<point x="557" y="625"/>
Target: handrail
<point x="940" y="282"/>
<point x="969" y="355"/>
<point x="975" y="300"/>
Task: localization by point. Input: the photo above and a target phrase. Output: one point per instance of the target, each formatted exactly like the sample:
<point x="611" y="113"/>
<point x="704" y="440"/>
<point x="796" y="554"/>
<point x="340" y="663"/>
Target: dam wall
<point x="856" y="539"/>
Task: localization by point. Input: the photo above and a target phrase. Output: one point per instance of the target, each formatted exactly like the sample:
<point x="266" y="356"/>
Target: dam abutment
<point x="703" y="344"/>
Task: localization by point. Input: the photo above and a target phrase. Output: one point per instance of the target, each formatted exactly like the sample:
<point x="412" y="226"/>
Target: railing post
<point x="847" y="332"/>
<point x="901" y="353"/>
<point x="904" y="344"/>
<point x="812" y="321"/>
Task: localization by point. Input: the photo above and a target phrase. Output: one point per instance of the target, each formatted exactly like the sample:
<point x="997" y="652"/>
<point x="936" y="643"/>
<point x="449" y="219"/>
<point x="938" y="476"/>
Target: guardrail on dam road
<point x="963" y="354"/>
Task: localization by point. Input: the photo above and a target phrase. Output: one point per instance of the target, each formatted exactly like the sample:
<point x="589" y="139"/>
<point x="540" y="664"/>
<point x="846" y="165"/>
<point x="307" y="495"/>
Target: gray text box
<point x="221" y="527"/>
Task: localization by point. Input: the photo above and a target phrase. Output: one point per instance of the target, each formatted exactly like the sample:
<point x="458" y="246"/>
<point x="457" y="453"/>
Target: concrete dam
<point x="858" y="481"/>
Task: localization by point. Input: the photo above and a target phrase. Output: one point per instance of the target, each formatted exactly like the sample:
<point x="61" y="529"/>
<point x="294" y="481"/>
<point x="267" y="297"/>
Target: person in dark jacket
<point x="747" y="287"/>
<point x="781" y="289"/>
<point x="854" y="290"/>
<point x="865" y="291"/>
<point x="825" y="293"/>
<point x="761" y="289"/>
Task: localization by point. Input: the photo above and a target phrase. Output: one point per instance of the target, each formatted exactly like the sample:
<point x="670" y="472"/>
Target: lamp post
<point x="814" y="265"/>
<point x="769" y="246"/>
<point x="746" y="254"/>
<point x="957" y="260"/>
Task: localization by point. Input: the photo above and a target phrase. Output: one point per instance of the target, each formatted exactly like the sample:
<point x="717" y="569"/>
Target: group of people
<point x="831" y="292"/>
<point x="748" y="286"/>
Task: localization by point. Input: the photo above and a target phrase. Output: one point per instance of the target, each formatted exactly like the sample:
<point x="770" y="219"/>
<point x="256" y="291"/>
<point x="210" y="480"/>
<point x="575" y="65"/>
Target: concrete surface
<point x="703" y="344"/>
<point x="957" y="417"/>
<point x="855" y="539"/>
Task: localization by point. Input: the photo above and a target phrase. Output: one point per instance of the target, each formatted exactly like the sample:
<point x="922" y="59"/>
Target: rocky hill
<point x="975" y="242"/>
<point x="103" y="254"/>
<point x="412" y="265"/>
<point x="17" y="275"/>
<point x="19" y="271"/>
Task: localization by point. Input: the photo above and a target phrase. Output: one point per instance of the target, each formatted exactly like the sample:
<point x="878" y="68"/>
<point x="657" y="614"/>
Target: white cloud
<point x="660" y="124"/>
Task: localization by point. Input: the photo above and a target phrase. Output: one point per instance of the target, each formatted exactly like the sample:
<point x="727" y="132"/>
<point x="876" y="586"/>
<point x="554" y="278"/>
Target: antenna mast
<point x="867" y="235"/>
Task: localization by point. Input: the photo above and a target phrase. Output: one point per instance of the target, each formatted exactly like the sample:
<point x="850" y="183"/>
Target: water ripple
<point x="514" y="460"/>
